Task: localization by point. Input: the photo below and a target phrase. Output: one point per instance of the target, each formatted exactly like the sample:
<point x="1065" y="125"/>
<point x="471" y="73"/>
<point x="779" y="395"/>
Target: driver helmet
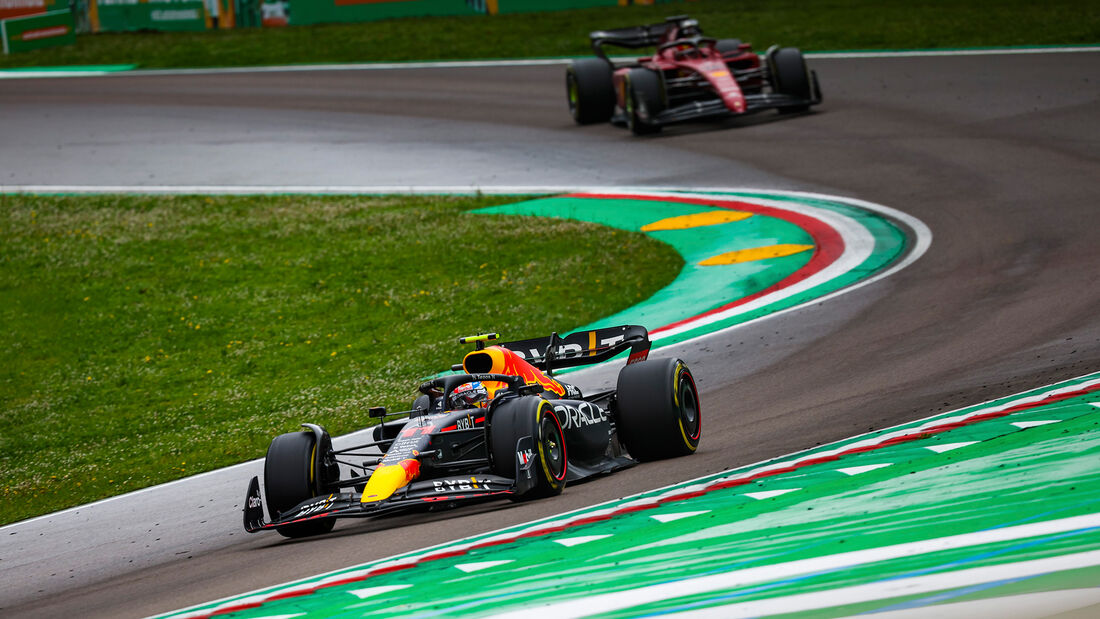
<point x="690" y="28"/>
<point x="469" y="395"/>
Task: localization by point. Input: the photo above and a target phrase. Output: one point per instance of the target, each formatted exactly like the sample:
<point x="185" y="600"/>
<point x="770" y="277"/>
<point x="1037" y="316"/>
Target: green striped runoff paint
<point x="790" y="248"/>
<point x="998" y="499"/>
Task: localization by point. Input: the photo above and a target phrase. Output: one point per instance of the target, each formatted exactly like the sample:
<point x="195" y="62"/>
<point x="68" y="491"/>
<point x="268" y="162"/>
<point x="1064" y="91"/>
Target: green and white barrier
<point x="20" y="34"/>
<point x="133" y="15"/>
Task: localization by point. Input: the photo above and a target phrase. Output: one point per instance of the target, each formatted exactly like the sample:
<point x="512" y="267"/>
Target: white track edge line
<point x="27" y="73"/>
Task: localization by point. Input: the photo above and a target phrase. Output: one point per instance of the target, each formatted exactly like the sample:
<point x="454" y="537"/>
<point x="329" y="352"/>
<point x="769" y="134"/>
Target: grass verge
<point x="811" y="25"/>
<point x="151" y="338"/>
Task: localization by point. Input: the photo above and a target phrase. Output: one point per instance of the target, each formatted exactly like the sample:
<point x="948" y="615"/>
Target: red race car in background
<point x="688" y="77"/>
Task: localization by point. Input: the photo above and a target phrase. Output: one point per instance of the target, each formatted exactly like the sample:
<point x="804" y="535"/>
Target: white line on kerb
<point x="887" y="589"/>
<point x="609" y="602"/>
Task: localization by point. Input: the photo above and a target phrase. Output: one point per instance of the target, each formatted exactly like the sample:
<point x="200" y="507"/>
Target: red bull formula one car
<point x="688" y="77"/>
<point x="502" y="427"/>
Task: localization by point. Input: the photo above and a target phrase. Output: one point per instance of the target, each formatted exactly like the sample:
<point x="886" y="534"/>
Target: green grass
<point x="150" y="338"/>
<point x="809" y="24"/>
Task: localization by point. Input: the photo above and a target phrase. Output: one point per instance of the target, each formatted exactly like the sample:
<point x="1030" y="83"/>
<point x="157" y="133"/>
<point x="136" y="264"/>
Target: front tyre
<point x="644" y="99"/>
<point x="292" y="475"/>
<point x="590" y="91"/>
<point x="658" y="414"/>
<point x="790" y="76"/>
<point x="547" y="461"/>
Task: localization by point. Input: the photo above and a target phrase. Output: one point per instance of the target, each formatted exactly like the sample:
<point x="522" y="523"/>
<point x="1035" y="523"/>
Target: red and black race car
<point x="502" y="427"/>
<point x="688" y="77"/>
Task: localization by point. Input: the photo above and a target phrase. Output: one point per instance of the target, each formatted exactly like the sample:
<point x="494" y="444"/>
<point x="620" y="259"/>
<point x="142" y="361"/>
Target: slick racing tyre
<point x="644" y="99"/>
<point x="591" y="94"/>
<point x="292" y="476"/>
<point x="658" y="409"/>
<point x="529" y="416"/>
<point x="726" y="46"/>
<point x="790" y="76"/>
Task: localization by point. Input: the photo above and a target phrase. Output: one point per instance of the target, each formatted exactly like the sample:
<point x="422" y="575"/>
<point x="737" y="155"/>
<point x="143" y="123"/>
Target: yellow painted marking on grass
<point x="756" y="253"/>
<point x="696" y="220"/>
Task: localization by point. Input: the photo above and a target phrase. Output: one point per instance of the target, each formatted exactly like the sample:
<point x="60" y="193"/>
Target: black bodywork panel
<point x="451" y="446"/>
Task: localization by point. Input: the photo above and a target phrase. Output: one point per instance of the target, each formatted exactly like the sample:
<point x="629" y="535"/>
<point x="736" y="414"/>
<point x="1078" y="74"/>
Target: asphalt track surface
<point x="998" y="155"/>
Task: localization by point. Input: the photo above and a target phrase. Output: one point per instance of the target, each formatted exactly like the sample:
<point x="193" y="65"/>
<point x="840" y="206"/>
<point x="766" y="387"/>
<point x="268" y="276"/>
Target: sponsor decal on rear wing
<point x="583" y="347"/>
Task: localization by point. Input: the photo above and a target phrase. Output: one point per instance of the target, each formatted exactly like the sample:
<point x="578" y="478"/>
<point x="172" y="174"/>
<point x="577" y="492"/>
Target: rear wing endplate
<point x="583" y="347"/>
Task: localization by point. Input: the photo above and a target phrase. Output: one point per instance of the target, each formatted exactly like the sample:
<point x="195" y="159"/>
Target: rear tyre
<point x="790" y="76"/>
<point x="591" y="94"/>
<point x="291" y="475"/>
<point x="658" y="413"/>
<point x="535" y="417"/>
<point x="644" y="101"/>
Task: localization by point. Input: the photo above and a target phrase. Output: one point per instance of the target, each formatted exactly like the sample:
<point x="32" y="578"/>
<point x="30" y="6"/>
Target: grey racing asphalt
<point x="999" y="155"/>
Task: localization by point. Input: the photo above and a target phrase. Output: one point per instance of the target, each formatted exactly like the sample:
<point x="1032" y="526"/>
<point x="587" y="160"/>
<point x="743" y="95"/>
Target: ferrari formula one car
<point x="689" y="77"/>
<point x="502" y="427"/>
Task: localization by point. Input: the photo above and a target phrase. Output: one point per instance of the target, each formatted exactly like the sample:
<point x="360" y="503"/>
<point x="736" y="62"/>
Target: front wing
<point x="348" y="505"/>
<point x="419" y="493"/>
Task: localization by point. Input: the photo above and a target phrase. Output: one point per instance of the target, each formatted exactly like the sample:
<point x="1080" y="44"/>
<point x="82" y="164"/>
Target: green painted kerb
<point x="995" y="500"/>
<point x="84" y="68"/>
<point x="700" y="289"/>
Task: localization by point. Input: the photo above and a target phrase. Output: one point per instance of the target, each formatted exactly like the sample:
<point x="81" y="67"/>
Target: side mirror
<point x="377" y="412"/>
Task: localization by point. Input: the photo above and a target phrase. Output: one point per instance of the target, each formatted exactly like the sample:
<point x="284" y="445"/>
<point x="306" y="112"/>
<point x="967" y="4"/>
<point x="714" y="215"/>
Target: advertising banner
<point x="531" y="6"/>
<point x="303" y="12"/>
<point x="22" y="8"/>
<point x="20" y="34"/>
<point x="130" y="15"/>
<point x="275" y="13"/>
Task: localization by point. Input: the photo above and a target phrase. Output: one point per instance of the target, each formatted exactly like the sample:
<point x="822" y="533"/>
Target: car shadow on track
<point x="726" y="124"/>
<point x="399" y="520"/>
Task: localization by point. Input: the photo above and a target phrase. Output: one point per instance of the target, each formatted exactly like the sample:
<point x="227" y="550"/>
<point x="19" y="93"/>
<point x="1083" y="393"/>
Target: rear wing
<point x="583" y="347"/>
<point x="635" y="37"/>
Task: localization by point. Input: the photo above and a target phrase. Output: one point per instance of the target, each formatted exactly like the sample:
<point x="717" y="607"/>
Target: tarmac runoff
<point x="993" y="507"/>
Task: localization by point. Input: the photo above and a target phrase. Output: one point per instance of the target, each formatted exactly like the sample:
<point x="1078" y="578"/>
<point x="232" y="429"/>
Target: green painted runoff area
<point x="699" y="289"/>
<point x="997" y="499"/>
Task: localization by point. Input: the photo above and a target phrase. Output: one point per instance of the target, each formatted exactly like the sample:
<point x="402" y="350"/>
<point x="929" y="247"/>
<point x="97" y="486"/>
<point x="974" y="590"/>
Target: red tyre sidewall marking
<point x="561" y="433"/>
